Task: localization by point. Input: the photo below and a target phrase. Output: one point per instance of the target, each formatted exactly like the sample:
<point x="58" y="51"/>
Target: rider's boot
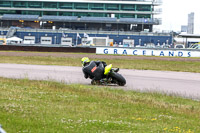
<point x="103" y="80"/>
<point x="95" y="82"/>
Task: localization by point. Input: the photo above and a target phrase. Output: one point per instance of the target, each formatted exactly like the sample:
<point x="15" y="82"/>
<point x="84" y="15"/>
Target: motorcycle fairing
<point x="107" y="69"/>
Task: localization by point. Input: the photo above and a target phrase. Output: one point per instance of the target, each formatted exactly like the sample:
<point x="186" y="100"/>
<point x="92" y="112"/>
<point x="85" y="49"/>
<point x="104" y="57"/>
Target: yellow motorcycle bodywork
<point x="107" y="69"/>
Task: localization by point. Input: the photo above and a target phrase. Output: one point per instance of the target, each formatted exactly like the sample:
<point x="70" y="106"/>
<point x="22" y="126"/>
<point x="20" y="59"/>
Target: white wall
<point x="66" y="41"/>
<point x="46" y="40"/>
<point x="29" y="39"/>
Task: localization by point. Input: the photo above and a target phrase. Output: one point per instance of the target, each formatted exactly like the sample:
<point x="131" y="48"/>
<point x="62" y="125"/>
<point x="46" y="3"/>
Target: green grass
<point x="141" y="64"/>
<point x="50" y="107"/>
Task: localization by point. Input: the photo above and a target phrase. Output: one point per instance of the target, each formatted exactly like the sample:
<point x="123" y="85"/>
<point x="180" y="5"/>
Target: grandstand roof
<point x="190" y="35"/>
<point x="20" y="17"/>
<point x="59" y="18"/>
<point x="98" y="19"/>
<point x="97" y="1"/>
<point x="76" y="19"/>
<point x="136" y="20"/>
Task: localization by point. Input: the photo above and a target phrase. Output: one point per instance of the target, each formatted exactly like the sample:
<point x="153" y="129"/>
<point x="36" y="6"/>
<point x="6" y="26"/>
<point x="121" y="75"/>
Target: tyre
<point x="121" y="81"/>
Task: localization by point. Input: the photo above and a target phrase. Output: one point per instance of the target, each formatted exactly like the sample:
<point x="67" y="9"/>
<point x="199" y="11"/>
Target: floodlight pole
<point x="142" y="24"/>
<point x="76" y="40"/>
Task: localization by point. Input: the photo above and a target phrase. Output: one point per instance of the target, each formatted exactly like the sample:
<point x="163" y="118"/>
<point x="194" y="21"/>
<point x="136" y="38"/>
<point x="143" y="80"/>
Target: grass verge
<point x="44" y="106"/>
<point x="140" y="64"/>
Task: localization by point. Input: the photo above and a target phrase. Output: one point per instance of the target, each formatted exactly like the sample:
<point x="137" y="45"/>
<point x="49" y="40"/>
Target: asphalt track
<point x="182" y="84"/>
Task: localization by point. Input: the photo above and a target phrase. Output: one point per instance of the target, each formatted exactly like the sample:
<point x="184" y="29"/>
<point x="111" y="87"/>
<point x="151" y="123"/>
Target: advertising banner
<point x="148" y="52"/>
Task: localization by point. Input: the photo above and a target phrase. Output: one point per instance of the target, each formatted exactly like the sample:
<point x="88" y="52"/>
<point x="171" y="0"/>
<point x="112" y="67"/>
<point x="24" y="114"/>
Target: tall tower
<point x="190" y="29"/>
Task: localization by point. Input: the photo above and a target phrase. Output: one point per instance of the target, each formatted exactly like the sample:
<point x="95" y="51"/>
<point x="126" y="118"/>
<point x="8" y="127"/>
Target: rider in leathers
<point x="93" y="69"/>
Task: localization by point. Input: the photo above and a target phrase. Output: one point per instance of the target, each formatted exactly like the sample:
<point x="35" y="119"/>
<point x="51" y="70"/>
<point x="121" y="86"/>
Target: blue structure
<point x="139" y="39"/>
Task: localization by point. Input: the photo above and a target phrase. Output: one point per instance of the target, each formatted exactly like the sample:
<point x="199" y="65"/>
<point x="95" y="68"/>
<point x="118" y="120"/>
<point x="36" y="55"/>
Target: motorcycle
<point x="110" y="77"/>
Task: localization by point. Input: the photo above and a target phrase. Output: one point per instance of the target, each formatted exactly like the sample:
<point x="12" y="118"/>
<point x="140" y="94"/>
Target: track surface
<point x="176" y="83"/>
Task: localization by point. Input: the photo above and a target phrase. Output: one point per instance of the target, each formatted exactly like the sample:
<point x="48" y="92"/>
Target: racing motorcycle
<point x="110" y="77"/>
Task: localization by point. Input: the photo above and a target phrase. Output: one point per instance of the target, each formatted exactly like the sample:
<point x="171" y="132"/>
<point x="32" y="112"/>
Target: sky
<point x="175" y="13"/>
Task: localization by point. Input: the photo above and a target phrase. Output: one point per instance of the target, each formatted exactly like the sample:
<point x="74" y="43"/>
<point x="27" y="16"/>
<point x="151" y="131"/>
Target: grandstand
<point x="82" y="14"/>
<point x="118" y="20"/>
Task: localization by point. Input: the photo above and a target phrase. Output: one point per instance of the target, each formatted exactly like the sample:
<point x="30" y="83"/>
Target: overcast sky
<point x="175" y="13"/>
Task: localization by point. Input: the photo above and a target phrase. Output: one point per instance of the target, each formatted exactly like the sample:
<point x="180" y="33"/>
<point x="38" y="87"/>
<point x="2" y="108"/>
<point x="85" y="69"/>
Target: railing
<point x="10" y="32"/>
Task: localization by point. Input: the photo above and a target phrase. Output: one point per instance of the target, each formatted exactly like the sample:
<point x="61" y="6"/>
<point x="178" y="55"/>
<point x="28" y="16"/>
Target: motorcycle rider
<point x="94" y="69"/>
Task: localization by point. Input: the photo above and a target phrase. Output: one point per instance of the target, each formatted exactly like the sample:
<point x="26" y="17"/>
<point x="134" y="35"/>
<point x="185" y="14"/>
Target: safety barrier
<point x="149" y="52"/>
<point x="47" y="49"/>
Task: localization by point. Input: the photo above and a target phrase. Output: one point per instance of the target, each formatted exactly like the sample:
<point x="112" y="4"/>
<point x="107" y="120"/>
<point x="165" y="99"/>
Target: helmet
<point x="85" y="60"/>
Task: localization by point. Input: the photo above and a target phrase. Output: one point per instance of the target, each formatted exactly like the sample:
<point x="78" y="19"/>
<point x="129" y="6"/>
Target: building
<point x="109" y="15"/>
<point x="50" y="22"/>
<point x="190" y="27"/>
<point x="183" y="28"/>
